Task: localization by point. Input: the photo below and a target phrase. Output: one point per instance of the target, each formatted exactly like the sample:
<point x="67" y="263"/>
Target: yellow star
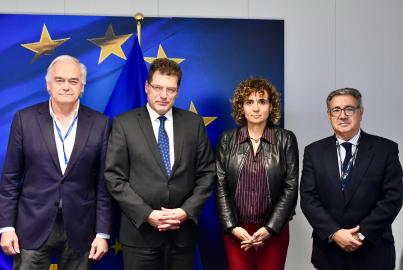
<point x="53" y="267"/>
<point x="161" y="54"/>
<point x="45" y="46"/>
<point x="206" y="120"/>
<point x="117" y="246"/>
<point x="110" y="44"/>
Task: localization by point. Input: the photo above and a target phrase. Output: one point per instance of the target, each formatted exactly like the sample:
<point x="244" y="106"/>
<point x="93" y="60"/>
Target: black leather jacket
<point x="281" y="164"/>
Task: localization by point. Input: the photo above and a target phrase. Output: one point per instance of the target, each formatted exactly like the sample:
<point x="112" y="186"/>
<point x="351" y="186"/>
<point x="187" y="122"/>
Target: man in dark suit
<point x="53" y="195"/>
<point x="160" y="170"/>
<point x="351" y="191"/>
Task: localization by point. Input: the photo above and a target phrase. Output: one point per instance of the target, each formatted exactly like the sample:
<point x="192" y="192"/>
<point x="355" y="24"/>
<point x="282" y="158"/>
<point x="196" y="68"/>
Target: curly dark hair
<point x="259" y="85"/>
<point x="166" y="67"/>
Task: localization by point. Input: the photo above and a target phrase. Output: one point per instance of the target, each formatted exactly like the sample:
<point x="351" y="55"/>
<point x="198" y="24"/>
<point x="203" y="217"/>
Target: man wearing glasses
<point x="351" y="191"/>
<point x="160" y="170"/>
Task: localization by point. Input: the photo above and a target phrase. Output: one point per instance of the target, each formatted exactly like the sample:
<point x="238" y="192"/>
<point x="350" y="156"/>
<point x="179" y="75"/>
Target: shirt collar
<point x="53" y="114"/>
<point x="268" y="134"/>
<point x="353" y="140"/>
<point x="154" y="115"/>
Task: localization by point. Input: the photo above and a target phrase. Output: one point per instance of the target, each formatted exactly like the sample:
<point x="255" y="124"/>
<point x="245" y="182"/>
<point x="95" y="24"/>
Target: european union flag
<point x="214" y="54"/>
<point x="129" y="90"/>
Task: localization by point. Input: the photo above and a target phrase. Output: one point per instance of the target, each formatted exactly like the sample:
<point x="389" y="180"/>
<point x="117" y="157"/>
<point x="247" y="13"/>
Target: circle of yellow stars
<point x="110" y="44"/>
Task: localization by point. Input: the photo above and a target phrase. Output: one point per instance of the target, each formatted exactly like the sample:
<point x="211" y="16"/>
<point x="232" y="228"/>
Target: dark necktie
<point x="346" y="161"/>
<point x="163" y="145"/>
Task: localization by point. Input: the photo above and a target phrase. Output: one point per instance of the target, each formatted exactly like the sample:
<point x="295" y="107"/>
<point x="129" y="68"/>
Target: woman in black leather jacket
<point x="257" y="170"/>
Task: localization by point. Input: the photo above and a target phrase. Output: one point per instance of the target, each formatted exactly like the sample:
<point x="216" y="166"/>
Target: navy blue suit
<point x="372" y="200"/>
<point x="32" y="183"/>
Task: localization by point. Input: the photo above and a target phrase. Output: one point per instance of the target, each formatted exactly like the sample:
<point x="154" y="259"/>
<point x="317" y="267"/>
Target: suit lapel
<point x="147" y="129"/>
<point x="179" y="136"/>
<point x="363" y="160"/>
<point x="84" y="125"/>
<point x="45" y="123"/>
<point x="331" y="164"/>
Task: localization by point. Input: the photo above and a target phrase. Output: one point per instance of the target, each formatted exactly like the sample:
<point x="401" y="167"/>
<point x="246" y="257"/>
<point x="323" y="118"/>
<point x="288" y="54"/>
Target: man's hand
<point x="347" y="239"/>
<point x="159" y="218"/>
<point x="99" y="248"/>
<point x="167" y="219"/>
<point x="9" y="243"/>
<point x="172" y="218"/>
<point x="177" y="213"/>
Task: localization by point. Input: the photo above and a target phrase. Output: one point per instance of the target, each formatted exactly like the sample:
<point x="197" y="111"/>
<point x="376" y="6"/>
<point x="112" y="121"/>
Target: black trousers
<point x="166" y="257"/>
<point x="56" y="244"/>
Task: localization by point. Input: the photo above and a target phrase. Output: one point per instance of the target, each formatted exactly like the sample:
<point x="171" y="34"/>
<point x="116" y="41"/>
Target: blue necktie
<point x="346" y="161"/>
<point x="163" y="145"/>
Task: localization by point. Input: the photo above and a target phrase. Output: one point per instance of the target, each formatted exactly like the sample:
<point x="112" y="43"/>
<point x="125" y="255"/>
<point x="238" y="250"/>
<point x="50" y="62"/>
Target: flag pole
<point x="139" y="17"/>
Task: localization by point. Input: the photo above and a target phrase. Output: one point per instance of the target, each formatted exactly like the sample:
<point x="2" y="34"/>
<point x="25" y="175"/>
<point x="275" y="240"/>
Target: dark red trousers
<point x="269" y="257"/>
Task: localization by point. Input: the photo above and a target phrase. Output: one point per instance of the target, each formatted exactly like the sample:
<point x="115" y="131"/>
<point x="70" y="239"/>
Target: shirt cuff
<point x="7" y="229"/>
<point x="103" y="235"/>
<point x="330" y="238"/>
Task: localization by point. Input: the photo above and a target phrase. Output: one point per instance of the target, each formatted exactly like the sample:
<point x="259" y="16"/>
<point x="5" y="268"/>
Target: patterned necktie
<point x="163" y="145"/>
<point x="346" y="161"/>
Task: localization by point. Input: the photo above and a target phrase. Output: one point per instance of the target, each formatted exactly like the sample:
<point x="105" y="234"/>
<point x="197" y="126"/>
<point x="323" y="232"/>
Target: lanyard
<point x="63" y="139"/>
<point x="344" y="174"/>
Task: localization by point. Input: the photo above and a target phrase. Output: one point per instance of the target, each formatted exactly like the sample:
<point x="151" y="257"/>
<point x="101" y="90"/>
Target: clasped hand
<point x="348" y="239"/>
<point x="167" y="219"/>
<point x="251" y="241"/>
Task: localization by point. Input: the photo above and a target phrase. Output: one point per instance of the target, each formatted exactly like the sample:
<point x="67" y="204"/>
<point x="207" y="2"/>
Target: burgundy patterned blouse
<point x="252" y="193"/>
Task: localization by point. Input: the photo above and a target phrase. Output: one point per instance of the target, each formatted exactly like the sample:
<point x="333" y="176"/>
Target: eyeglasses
<point x="158" y="89"/>
<point x="336" y="112"/>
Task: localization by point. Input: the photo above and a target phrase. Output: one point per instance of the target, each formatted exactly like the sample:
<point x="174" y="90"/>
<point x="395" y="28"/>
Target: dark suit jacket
<point x="372" y="200"/>
<point x="32" y="183"/>
<point x="137" y="179"/>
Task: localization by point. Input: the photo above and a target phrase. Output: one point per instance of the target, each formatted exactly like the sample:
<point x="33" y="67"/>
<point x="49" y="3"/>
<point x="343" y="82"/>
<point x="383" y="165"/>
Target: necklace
<point x="255" y="140"/>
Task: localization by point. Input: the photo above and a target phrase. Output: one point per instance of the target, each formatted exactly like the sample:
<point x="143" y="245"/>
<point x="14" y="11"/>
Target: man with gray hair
<point x="351" y="191"/>
<point x="53" y="196"/>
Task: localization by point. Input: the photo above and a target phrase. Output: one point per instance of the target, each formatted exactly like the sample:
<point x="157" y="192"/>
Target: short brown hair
<point x="259" y="85"/>
<point x="165" y="66"/>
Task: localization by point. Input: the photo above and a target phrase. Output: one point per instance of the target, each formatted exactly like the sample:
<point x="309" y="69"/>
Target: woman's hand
<point x="241" y="234"/>
<point x="244" y="237"/>
<point x="259" y="237"/>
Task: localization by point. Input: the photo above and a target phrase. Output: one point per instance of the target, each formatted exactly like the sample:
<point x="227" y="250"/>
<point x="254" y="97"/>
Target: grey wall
<point x="329" y="44"/>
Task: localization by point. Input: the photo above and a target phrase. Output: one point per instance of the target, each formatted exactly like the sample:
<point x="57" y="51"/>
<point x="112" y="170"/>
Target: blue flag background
<point x="129" y="89"/>
<point x="215" y="55"/>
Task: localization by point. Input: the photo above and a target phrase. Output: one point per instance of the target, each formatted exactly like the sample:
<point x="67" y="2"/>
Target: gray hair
<point x="67" y="57"/>
<point x="345" y="91"/>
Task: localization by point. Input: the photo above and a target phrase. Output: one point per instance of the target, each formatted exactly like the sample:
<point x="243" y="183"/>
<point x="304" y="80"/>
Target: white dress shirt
<point x="342" y="151"/>
<point x="69" y="141"/>
<point x="169" y="127"/>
